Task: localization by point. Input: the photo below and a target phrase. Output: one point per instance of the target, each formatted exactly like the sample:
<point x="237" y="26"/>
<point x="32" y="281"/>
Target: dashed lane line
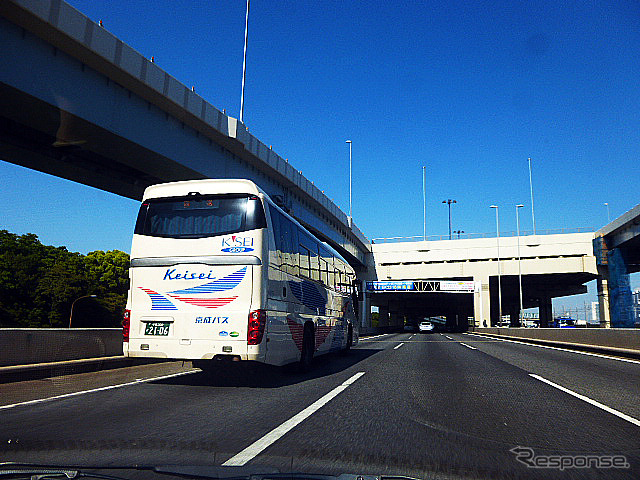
<point x="259" y="445"/>
<point x="617" y="413"/>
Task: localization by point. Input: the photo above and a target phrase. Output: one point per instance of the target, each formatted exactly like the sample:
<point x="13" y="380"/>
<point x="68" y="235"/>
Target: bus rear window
<point x="199" y="216"/>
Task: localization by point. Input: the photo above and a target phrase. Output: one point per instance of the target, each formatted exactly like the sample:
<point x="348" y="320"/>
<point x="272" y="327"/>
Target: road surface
<point x="415" y="404"/>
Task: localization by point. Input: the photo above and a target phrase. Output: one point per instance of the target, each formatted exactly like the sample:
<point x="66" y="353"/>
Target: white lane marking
<point x="259" y="445"/>
<point x="624" y="416"/>
<point x="411" y="336"/>
<point x="100" y="389"/>
<point x="468" y="346"/>
<point x="375" y="336"/>
<point x="628" y="360"/>
<point x="448" y="337"/>
<point x="398" y="346"/>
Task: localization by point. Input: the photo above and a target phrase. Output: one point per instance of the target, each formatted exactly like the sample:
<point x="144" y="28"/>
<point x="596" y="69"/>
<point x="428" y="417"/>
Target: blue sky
<point x="469" y="89"/>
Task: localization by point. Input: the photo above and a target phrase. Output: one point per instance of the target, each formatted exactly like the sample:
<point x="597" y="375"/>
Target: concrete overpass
<point x="551" y="266"/>
<point x="617" y="249"/>
<point x="78" y="103"/>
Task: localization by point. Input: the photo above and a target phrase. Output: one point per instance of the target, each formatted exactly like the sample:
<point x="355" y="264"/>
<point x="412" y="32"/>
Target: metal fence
<point x="466" y="236"/>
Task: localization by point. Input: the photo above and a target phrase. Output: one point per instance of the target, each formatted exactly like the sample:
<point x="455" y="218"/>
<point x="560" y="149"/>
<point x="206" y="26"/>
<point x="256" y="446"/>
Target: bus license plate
<point x="157" y="328"/>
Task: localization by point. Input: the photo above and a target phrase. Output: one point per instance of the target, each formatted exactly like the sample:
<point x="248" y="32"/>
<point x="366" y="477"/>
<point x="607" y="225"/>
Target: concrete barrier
<point x="24" y="346"/>
<point x="612" y="340"/>
<point x="367" y="331"/>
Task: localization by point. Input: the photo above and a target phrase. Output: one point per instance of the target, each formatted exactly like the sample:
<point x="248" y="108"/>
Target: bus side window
<point x="292" y="246"/>
<point x="287" y="245"/>
<point x="277" y="236"/>
<point x="323" y="270"/>
<point x="331" y="278"/>
<point x="309" y="247"/>
<point x="315" y="260"/>
<point x="304" y="255"/>
<point x="340" y="276"/>
<point x="315" y="265"/>
<point x="326" y="265"/>
<point x="350" y="279"/>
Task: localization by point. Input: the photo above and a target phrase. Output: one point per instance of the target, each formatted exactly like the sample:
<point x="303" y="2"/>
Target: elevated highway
<point x="81" y="104"/>
<point x="551" y="266"/>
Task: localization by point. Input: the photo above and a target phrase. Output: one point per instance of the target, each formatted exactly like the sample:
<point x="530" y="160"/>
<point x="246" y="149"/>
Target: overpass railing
<point x="467" y="236"/>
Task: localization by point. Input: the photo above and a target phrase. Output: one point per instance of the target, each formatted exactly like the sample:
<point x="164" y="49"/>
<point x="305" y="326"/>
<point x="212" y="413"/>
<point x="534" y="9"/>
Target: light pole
<point x="498" y="244"/>
<point x="608" y="214"/>
<point x="518" y="207"/>
<point x="244" y="61"/>
<point x="449" y="202"/>
<point x="458" y="232"/>
<point x="74" y="302"/>
<point x="533" y="215"/>
<point x="424" y="203"/>
<point x="349" y="142"/>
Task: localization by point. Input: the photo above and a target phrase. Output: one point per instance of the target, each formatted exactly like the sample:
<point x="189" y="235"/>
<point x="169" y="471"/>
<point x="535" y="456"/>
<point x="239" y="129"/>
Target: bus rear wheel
<point x="347" y="347"/>
<point x="308" y="346"/>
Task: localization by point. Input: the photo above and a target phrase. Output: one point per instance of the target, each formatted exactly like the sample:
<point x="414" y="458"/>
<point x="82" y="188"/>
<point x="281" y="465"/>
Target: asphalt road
<point x="430" y="406"/>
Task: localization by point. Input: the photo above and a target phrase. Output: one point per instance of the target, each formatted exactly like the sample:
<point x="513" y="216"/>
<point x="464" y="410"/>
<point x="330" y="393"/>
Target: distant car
<point x="425" y="327"/>
<point x="408" y="327"/>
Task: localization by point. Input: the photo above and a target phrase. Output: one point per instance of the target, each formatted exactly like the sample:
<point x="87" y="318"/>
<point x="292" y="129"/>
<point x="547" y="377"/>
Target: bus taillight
<point x="126" y="318"/>
<point x="257" y="322"/>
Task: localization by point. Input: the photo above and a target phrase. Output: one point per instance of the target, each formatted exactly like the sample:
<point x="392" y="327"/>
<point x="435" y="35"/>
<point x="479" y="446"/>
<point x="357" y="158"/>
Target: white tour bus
<point x="218" y="271"/>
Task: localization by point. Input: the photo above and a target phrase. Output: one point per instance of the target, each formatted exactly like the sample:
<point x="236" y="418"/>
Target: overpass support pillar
<point x="514" y="316"/>
<point x="603" y="301"/>
<point x="383" y="319"/>
<point x="365" y="311"/>
<point x="619" y="288"/>
<point x="545" y="309"/>
<point x="395" y="319"/>
<point x="614" y="288"/>
<point x="481" y="302"/>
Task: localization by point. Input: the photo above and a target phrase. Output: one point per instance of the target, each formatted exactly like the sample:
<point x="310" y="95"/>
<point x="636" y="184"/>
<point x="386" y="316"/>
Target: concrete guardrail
<point x="24" y="346"/>
<point x="624" y="341"/>
<point x="367" y="331"/>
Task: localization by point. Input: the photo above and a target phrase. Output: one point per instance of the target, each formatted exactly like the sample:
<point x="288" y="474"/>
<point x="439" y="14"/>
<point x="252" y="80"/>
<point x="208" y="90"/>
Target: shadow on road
<point x="259" y="375"/>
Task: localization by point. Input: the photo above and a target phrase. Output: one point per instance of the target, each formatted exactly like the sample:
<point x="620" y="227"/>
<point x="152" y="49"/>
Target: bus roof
<point x="213" y="186"/>
<point x="208" y="186"/>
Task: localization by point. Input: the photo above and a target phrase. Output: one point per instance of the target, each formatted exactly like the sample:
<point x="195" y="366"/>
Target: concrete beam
<point x="88" y="77"/>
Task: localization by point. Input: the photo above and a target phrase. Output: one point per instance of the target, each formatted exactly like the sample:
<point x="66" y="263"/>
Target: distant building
<point x="636" y="306"/>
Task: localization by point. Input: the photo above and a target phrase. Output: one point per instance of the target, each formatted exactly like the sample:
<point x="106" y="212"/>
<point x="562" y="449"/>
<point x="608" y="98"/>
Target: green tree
<point x="20" y="269"/>
<point x="108" y="277"/>
<point x="38" y="284"/>
<point x="62" y="280"/>
<point x="108" y="272"/>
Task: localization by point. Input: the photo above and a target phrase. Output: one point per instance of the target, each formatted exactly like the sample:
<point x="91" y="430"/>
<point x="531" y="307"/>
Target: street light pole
<point x="518" y="207"/>
<point x="73" y="304"/>
<point x="608" y="214"/>
<point x="449" y="202"/>
<point x="424" y="203"/>
<point x="498" y="244"/>
<point x="533" y="215"/>
<point x="349" y="142"/>
<point x="244" y="61"/>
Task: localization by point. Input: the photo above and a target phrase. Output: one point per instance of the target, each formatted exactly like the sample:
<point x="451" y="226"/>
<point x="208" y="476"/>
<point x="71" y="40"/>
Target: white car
<point x="425" y="327"/>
